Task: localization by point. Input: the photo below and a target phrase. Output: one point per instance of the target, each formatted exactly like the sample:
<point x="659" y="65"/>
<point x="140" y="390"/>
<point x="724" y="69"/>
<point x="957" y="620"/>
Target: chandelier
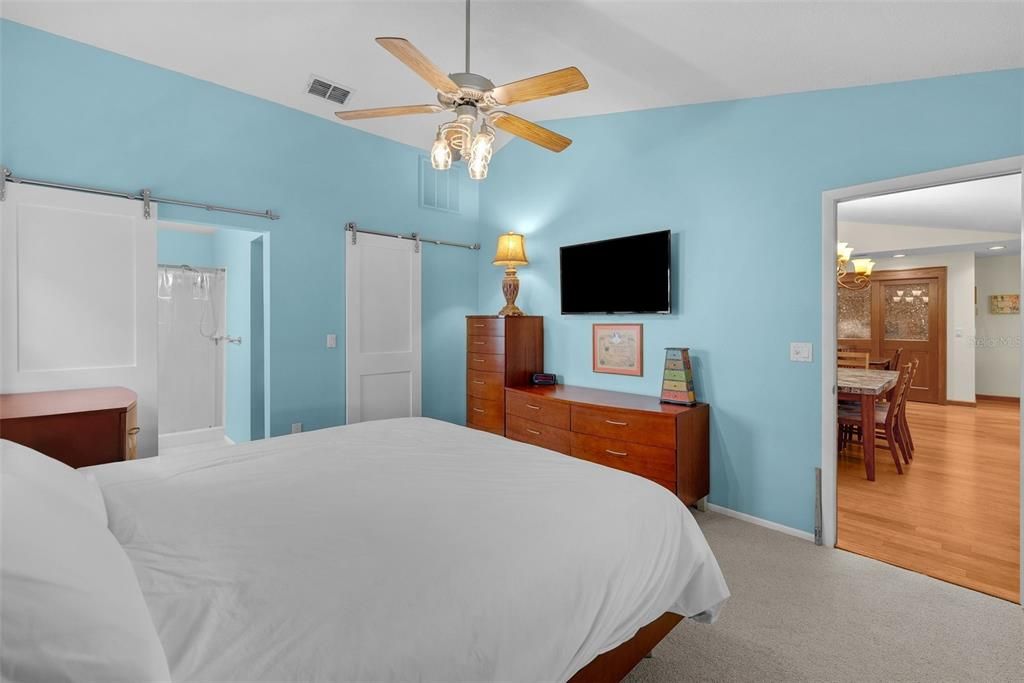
<point x="456" y="140"/>
<point x="861" y="268"/>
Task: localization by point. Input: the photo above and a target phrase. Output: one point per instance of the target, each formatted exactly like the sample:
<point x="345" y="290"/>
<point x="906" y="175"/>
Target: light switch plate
<point x="801" y="352"/>
<point x="332" y="341"/>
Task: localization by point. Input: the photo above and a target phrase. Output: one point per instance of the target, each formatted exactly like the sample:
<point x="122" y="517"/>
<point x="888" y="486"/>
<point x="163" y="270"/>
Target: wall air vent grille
<point x="326" y="90"/>
<point x="439" y="189"/>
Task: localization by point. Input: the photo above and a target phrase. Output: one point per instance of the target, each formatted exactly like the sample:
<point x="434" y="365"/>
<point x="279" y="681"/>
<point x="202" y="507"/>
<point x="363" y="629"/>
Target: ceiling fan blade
<point x="407" y="53"/>
<point x="527" y="130"/>
<point x="379" y="112"/>
<point x="569" y="79"/>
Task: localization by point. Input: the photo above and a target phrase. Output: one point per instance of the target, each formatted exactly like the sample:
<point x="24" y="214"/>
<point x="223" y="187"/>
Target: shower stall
<point x="191" y="316"/>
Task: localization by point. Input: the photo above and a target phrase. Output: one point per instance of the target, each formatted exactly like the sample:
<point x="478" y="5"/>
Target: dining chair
<point x="886" y="421"/>
<point x="853" y="359"/>
<point x="904" y="423"/>
<point x="893" y="364"/>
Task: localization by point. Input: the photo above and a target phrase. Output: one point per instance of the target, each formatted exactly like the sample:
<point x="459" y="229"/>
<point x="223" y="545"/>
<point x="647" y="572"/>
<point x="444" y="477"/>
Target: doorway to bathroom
<point x="212" y="335"/>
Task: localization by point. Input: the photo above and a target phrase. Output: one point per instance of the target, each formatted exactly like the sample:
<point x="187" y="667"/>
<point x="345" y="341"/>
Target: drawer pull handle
<point x="530" y="405"/>
<point x="134" y="430"/>
<point x="478" y="381"/>
<point x="481" y="343"/>
<point x="478" y="410"/>
<point x="478" y="360"/>
<point x="533" y="431"/>
<point x="619" y="453"/>
<point x="614" y="422"/>
<point x="478" y="324"/>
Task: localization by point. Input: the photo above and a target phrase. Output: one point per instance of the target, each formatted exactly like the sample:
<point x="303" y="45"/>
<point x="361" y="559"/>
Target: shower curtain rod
<point x="185" y="266"/>
<point x="415" y="237"/>
<point x="144" y="196"/>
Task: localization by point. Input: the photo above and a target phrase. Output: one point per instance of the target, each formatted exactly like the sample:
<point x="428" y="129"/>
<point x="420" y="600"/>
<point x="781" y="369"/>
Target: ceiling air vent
<point x="326" y="90"/>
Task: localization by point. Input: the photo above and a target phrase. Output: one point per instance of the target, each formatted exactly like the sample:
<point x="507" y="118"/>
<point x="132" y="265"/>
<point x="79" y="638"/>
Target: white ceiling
<point x="636" y="55"/>
<point x="967" y="216"/>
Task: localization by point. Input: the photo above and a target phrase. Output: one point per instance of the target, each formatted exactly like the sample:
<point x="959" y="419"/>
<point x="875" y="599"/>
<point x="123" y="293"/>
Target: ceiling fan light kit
<point x="478" y="105"/>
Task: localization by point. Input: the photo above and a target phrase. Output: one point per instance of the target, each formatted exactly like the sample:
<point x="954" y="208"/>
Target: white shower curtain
<point x="191" y="362"/>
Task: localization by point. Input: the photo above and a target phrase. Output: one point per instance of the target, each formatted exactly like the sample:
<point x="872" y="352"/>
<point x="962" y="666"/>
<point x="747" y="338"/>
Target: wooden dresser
<point x="663" y="442"/>
<point x="500" y="353"/>
<point x="79" y="427"/>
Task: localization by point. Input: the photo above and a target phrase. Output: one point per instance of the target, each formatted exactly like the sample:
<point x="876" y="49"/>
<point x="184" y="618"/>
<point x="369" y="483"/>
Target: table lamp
<point x="511" y="252"/>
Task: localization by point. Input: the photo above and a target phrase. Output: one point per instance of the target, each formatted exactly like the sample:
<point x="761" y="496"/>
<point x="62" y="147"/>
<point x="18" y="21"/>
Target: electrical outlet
<point x="332" y="341"/>
<point x="800" y="352"/>
<point x="296" y="427"/>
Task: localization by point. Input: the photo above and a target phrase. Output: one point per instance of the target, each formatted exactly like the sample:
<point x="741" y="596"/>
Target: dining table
<point x="866" y="387"/>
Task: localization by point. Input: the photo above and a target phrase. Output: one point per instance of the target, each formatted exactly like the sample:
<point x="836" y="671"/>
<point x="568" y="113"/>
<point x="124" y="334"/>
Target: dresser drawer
<point x="485" y="327"/>
<point x="538" y="434"/>
<point x="489" y="415"/>
<point x="486" y="385"/>
<point x="488" y="362"/>
<point x="475" y="344"/>
<point x="537" y="409"/>
<point x="645" y="428"/>
<point x="646" y="461"/>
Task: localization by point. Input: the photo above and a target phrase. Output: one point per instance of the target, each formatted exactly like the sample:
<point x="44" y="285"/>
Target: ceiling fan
<point x="474" y="98"/>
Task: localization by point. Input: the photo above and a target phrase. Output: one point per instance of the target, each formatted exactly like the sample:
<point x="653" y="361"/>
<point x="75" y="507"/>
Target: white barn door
<point x="79" y="297"/>
<point x="382" y="328"/>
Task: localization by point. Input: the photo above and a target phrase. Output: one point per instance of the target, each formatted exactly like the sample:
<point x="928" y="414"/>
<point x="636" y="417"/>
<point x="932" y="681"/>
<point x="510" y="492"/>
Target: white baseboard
<point x="190" y="438"/>
<point x="774" y="526"/>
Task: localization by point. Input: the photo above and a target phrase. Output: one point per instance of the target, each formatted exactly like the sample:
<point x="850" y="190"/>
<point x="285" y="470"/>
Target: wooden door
<point x="382" y="331"/>
<point x="901" y="309"/>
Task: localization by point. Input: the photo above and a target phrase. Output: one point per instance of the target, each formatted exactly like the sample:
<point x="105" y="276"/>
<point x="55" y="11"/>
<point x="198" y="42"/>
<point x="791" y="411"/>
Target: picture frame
<point x="618" y="349"/>
<point x="1004" y="304"/>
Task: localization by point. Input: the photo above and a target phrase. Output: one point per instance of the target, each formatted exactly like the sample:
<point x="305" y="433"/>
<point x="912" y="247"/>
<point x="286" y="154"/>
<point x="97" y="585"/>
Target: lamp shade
<point x="511" y="250"/>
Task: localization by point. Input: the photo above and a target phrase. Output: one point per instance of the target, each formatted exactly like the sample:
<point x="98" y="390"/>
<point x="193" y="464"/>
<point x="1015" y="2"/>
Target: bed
<point x="407" y="549"/>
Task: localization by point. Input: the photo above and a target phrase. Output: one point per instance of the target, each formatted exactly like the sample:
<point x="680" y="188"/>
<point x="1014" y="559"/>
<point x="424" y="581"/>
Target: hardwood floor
<point x="954" y="514"/>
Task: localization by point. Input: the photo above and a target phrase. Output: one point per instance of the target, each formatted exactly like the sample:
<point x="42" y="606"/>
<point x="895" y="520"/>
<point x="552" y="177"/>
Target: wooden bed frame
<point x="612" y="666"/>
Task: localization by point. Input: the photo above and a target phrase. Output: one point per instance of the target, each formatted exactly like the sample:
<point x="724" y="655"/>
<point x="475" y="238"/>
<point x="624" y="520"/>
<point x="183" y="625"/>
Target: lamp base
<point x="510" y="288"/>
<point x="510" y="311"/>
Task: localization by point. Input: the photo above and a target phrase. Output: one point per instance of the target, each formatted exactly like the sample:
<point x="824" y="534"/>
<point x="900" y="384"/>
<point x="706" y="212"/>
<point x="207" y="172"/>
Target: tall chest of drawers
<point x="665" y="443"/>
<point x="500" y="353"/>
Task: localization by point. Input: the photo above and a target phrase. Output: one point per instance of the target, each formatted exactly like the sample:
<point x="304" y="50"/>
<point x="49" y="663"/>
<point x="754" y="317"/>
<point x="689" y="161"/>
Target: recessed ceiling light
<point x="996" y="248"/>
<point x="898" y="255"/>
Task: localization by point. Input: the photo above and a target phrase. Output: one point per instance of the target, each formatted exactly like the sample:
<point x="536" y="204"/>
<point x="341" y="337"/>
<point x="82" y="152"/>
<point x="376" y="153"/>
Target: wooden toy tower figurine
<point x="677" y="386"/>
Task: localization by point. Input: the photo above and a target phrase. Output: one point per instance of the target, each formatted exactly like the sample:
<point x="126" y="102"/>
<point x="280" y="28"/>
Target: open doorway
<point x="929" y="347"/>
<point x="212" y="335"/>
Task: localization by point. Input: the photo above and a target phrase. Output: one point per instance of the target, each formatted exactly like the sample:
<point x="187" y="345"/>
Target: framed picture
<point x="619" y="349"/>
<point x="1004" y="304"/>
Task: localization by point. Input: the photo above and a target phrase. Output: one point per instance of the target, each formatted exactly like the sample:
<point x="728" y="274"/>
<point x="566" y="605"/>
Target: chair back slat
<point x="853" y="359"/>
<point x="900" y="395"/>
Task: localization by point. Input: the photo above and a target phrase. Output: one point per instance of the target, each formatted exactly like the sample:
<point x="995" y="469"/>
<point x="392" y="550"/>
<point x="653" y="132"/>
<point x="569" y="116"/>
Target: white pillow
<point x="58" y="479"/>
<point x="71" y="608"/>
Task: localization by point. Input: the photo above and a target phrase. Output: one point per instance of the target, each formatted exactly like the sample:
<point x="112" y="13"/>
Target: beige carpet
<point x="803" y="613"/>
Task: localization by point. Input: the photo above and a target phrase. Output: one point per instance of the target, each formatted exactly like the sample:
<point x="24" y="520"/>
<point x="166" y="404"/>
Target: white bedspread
<point x="405" y="549"/>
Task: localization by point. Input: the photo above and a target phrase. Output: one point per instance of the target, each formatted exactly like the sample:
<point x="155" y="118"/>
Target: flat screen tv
<point x="623" y="275"/>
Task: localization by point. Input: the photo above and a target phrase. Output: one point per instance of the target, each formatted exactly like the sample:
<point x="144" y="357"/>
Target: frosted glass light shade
<point x="511" y="250"/>
<point x="863" y="266"/>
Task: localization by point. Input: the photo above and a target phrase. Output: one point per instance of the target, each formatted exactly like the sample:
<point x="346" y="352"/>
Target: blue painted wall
<point x="739" y="184"/>
<point x="135" y="125"/>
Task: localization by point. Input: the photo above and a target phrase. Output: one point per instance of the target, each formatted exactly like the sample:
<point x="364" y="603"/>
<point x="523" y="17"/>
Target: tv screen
<point x="624" y="275"/>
